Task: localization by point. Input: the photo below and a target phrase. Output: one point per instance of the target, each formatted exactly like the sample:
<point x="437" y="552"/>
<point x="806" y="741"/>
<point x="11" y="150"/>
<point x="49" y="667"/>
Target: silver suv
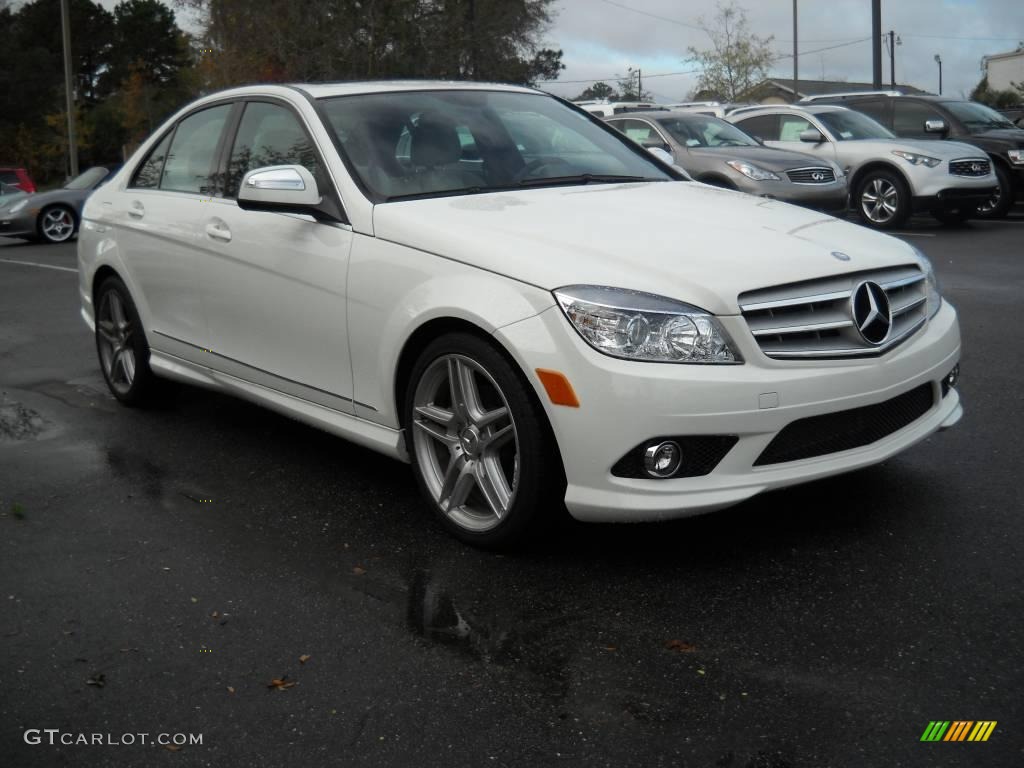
<point x="889" y="178"/>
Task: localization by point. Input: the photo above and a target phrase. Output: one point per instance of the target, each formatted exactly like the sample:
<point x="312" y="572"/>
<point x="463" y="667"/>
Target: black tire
<point x="999" y="205"/>
<point x="114" y="344"/>
<point x="538" y="484"/>
<point x="47" y="229"/>
<point x="877" y="184"/>
<point x="954" y="217"/>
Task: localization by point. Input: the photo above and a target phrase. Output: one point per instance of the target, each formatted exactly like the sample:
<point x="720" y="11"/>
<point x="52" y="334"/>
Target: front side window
<point x="428" y="143"/>
<point x="706" y="131"/>
<point x="189" y="165"/>
<point x="269" y="134"/>
<point x="791" y="126"/>
<point x="908" y="118"/>
<point x="847" y="125"/>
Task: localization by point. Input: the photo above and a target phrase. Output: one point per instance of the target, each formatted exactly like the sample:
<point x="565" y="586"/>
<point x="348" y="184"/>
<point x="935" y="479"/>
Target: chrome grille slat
<point x="813" y="319"/>
<point x="966" y="167"/>
<point x="806" y="175"/>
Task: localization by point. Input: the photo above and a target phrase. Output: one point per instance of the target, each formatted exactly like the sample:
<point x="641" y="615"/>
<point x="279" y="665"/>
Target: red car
<point x="16" y="177"/>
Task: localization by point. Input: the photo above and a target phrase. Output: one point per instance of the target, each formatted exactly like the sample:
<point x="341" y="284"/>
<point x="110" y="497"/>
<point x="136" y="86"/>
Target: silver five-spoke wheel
<point x="57" y="225"/>
<point x="465" y="442"/>
<point x="880" y="200"/>
<point x="117" y="353"/>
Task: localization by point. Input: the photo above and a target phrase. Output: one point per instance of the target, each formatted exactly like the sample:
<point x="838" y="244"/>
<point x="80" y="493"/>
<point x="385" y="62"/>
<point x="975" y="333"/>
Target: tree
<point x="599" y="91"/>
<point x="996" y="98"/>
<point x="630" y="87"/>
<point x="737" y="59"/>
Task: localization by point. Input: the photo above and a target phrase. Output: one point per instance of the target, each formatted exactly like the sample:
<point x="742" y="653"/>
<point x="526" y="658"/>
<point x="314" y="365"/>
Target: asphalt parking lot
<point x="160" y="570"/>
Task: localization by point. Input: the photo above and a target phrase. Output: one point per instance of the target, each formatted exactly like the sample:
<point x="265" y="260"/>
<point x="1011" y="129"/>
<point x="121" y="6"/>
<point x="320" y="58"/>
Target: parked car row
<point x="53" y="216"/>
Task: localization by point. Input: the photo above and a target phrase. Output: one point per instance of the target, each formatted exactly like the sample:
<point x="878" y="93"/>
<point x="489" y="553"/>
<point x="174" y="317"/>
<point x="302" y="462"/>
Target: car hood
<point x="39" y="199"/>
<point x="943" y="150"/>
<point x="1012" y="137"/>
<point x="766" y="157"/>
<point x="684" y="240"/>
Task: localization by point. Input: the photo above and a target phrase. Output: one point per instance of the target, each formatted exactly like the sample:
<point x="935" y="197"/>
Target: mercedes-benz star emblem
<point x="840" y="255"/>
<point x="872" y="315"/>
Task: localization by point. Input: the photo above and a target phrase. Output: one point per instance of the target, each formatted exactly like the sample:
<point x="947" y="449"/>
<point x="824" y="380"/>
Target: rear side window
<point x="269" y="134"/>
<point x="763" y="127"/>
<point x="148" y="174"/>
<point x="873" y="108"/>
<point x="189" y="164"/>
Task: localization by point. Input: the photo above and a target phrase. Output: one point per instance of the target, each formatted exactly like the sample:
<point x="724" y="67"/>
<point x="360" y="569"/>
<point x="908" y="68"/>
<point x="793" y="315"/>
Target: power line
<point x="654" y="15"/>
<point x="620" y="77"/>
<point x="781" y="56"/>
<point x="978" y="39"/>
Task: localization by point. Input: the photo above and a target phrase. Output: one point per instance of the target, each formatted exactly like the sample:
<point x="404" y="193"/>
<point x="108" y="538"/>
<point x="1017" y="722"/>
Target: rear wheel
<point x="883" y="199"/>
<point x="121" y="345"/>
<point x="998" y="206"/>
<point x="480" y="444"/>
<point x="57" y="224"/>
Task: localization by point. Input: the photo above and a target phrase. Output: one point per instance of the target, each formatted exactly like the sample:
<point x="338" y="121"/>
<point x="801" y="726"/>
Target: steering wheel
<point x="541" y="162"/>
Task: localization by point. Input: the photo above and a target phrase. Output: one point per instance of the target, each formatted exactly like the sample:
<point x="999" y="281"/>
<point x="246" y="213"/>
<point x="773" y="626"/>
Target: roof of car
<point x="661" y="114"/>
<point x="325" y="90"/>
<point x="814" y="109"/>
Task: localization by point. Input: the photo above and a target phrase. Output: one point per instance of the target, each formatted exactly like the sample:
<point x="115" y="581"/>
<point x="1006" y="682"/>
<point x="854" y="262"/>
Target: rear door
<point x="909" y="117"/>
<point x="158" y="218"/>
<point x="274" y="283"/>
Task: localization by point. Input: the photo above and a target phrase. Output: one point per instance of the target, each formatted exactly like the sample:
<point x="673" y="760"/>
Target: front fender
<point x="393" y="290"/>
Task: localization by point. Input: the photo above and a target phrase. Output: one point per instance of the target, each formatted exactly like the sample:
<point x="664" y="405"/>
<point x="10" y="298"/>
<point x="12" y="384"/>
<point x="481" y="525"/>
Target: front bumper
<point x="625" y="403"/>
<point x="823" y="197"/>
<point x="20" y="224"/>
<point x="954" y="198"/>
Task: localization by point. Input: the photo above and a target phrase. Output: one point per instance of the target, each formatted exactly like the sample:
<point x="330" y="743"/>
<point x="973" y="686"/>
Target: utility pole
<point x="65" y="22"/>
<point x="892" y="59"/>
<point x="938" y="60"/>
<point x="876" y="47"/>
<point x="796" y="59"/>
<point x="639" y="86"/>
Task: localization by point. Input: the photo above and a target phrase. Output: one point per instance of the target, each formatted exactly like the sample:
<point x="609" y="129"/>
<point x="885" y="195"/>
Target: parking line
<point x="34" y="264"/>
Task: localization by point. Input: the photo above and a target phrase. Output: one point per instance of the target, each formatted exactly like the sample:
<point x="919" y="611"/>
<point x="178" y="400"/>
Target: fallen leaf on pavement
<point x="97" y="680"/>
<point x="172" y="748"/>
<point x="304" y="658"/>
<point x="679" y="645"/>
<point x="230" y="689"/>
<point x="359" y="570"/>
<point x="281" y="683"/>
<point x="215" y="615"/>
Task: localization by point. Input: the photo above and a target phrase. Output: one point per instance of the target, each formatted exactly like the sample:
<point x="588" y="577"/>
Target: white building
<point x="1004" y="69"/>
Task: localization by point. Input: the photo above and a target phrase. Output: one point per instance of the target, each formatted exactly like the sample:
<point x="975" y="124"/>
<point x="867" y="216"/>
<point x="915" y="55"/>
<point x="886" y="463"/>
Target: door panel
<point x="274" y="284"/>
<point x="159" y="214"/>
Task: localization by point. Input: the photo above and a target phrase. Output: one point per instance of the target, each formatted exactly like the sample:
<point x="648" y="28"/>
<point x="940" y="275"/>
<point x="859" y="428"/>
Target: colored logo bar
<point x="958" y="730"/>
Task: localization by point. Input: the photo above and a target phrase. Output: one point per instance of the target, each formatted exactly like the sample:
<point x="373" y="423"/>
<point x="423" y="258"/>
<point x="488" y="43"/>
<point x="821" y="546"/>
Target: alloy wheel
<point x="58" y="224"/>
<point x="992" y="203"/>
<point x="117" y="353"/>
<point x="465" y="442"/>
<point x="879" y="200"/>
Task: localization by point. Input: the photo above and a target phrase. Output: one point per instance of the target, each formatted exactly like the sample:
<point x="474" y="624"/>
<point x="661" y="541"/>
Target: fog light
<point x="953" y="376"/>
<point x="662" y="459"/>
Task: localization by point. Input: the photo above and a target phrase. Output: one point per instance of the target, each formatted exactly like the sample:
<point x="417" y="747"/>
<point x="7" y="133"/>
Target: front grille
<point x="814" y="318"/>
<point x="977" y="166"/>
<point x="701" y="454"/>
<point x="811" y="175"/>
<point x="845" y="430"/>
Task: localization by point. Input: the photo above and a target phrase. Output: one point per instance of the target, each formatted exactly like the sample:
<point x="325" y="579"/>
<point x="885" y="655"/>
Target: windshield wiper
<point x="584" y="178"/>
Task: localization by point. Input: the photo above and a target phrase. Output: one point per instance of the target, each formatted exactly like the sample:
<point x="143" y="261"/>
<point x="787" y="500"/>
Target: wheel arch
<point x="878" y="165"/>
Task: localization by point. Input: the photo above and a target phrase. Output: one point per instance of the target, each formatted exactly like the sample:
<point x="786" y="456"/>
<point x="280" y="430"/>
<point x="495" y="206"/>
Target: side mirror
<point x="662" y="154"/>
<point x="812" y="136"/>
<point x="654" y="144"/>
<point x="282" y="189"/>
<point x="935" y="126"/>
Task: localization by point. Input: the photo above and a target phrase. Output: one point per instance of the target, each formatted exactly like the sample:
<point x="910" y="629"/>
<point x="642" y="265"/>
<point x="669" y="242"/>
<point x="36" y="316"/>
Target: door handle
<point x="137" y="210"/>
<point x="218" y="230"/>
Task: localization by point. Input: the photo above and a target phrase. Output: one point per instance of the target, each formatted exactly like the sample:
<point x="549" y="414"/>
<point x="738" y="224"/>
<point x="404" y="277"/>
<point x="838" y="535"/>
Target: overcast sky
<point x="601" y="38"/>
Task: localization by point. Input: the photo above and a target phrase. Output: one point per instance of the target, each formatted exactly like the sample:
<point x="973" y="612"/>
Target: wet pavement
<point x="160" y="568"/>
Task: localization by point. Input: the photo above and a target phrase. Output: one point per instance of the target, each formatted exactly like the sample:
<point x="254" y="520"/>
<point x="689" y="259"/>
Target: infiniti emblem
<point x="818" y="176"/>
<point x="976" y="167"/>
<point x="872" y="315"/>
<point x="840" y="255"/>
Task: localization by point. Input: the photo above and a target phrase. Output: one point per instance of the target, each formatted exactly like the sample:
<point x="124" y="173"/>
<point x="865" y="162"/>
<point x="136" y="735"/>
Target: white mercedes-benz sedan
<point x="494" y="286"/>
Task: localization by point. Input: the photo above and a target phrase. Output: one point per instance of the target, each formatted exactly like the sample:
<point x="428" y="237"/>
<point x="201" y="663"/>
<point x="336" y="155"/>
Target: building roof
<point x="822" y="87"/>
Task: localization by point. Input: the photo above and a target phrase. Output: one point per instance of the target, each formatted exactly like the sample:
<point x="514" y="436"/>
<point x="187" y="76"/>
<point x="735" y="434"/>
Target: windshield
<point x="977" y="117"/>
<point x="705" y="132"/>
<point x="426" y="143"/>
<point x="88" y="179"/>
<point x="852" y="126"/>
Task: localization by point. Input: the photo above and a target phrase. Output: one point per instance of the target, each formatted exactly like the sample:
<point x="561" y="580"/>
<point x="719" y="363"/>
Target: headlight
<point x="752" y="171"/>
<point x="641" y="326"/>
<point x="934" y="296"/>
<point x="1016" y="156"/>
<point x="915" y="159"/>
<point x="17" y="206"/>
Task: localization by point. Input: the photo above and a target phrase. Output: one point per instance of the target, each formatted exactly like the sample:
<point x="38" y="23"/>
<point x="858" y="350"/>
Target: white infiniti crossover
<point x="501" y="290"/>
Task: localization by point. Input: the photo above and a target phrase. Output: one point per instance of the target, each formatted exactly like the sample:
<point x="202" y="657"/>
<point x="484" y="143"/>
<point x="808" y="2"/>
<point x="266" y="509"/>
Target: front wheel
<point x="121" y="345"/>
<point x="883" y="200"/>
<point x="57" y="224"/>
<point x="998" y="206"/>
<point x="481" y="448"/>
